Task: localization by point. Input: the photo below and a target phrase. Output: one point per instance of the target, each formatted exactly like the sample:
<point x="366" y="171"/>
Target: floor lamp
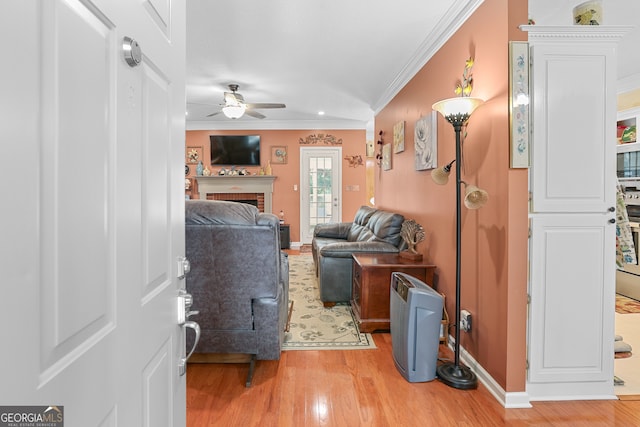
<point x="457" y="111"/>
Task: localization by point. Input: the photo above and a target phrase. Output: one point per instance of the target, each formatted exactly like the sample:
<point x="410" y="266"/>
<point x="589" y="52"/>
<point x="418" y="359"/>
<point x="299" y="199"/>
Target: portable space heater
<point x="416" y="315"/>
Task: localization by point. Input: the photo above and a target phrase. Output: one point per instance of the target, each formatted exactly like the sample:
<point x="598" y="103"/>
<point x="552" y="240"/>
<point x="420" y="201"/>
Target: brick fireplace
<point x="256" y="199"/>
<point x="248" y="189"/>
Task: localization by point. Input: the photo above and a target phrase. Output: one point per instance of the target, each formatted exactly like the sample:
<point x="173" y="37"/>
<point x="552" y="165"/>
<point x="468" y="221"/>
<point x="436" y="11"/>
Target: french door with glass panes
<point x="320" y="195"/>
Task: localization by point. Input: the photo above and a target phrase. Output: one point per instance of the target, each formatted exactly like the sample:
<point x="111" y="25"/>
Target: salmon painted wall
<point x="288" y="175"/>
<point x="494" y="238"/>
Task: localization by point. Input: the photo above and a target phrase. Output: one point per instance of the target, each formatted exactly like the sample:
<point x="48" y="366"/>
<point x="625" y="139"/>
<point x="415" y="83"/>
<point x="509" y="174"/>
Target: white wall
<point x="615" y="12"/>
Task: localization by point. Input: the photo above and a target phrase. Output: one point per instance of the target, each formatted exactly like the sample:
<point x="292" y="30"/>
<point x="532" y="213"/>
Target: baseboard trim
<point x="220" y="358"/>
<point x="509" y="400"/>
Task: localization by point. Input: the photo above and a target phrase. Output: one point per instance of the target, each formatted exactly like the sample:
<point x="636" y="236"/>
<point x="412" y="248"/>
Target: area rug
<point x="312" y="326"/>
<point x="305" y="249"/>
<point x="626" y="305"/>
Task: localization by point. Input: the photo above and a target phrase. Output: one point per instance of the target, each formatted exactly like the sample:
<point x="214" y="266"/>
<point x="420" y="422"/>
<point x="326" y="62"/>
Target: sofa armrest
<point x="345" y="249"/>
<point x="336" y="230"/>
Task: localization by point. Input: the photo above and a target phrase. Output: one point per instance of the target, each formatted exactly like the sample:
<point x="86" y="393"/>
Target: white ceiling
<point x="347" y="58"/>
<point x="344" y="57"/>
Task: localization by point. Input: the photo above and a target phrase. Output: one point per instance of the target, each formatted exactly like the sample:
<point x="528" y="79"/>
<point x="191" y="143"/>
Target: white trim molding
<point x="628" y="84"/>
<point x="510" y="400"/>
<point x="450" y="23"/>
<point x="278" y="124"/>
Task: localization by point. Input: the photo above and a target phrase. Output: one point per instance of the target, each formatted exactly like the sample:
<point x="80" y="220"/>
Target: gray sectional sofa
<point x="239" y="278"/>
<point x="372" y="230"/>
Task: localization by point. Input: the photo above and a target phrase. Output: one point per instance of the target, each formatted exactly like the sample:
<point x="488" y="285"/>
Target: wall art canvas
<point x="398" y="137"/>
<point x="193" y="155"/>
<point x="519" y="103"/>
<point x="279" y="155"/>
<point x="386" y="157"/>
<point x="426" y="142"/>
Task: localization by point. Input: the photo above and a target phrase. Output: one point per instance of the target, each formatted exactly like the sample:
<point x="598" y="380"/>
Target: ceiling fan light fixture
<point x="234" y="111"/>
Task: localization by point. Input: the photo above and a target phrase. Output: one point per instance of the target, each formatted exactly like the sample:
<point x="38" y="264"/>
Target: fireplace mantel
<point x="237" y="184"/>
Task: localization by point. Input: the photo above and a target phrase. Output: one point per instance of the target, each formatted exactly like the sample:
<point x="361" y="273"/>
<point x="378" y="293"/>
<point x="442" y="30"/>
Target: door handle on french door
<point x="182" y="365"/>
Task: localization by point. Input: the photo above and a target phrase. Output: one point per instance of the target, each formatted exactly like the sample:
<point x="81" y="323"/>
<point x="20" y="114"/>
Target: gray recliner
<point x="239" y="278"/>
<point x="372" y="230"/>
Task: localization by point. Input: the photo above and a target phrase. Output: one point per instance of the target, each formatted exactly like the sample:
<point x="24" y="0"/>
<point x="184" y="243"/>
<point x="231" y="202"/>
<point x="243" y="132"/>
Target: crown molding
<point x="278" y="125"/>
<point x="447" y="27"/>
<point x="588" y="33"/>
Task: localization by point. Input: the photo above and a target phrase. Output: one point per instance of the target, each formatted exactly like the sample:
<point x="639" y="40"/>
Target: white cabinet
<point x="568" y="344"/>
<point x="572" y="184"/>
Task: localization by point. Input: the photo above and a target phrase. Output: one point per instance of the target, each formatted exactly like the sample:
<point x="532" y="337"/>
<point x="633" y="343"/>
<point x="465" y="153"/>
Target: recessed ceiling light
<point x="321" y="113"/>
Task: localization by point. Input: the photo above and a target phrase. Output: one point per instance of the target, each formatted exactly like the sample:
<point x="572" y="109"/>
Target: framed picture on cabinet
<point x="519" y="104"/>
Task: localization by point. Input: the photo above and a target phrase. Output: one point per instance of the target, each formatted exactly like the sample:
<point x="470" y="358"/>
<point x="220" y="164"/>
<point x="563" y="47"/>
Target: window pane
<point x="320" y="192"/>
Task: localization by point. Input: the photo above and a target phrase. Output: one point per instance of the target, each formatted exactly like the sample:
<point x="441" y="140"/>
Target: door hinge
<point x="526" y="363"/>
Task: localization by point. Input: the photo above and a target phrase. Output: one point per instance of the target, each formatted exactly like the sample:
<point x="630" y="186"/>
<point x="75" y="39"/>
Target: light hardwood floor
<point x="363" y="388"/>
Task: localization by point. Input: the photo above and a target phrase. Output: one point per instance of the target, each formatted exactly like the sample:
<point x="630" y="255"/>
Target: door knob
<point x="612" y="220"/>
<point x="182" y="364"/>
<point x="612" y="209"/>
<point x="185" y="301"/>
<point x="131" y="51"/>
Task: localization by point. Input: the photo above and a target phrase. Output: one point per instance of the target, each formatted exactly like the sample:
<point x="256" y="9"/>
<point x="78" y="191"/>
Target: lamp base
<point x="459" y="376"/>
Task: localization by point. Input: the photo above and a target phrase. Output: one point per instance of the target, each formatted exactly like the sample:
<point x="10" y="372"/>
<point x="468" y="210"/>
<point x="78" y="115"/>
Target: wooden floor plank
<point x="363" y="388"/>
<point x="629" y="397"/>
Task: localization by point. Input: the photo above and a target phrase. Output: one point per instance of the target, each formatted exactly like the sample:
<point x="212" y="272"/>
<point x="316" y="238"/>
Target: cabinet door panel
<point x="570" y="295"/>
<point x="572" y="167"/>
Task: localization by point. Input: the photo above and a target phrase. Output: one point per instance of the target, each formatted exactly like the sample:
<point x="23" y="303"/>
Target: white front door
<point x="320" y="195"/>
<point x="93" y="210"/>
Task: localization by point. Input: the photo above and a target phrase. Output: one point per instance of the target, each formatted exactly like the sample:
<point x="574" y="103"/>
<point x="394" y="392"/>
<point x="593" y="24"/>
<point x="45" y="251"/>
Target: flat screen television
<point x="235" y="150"/>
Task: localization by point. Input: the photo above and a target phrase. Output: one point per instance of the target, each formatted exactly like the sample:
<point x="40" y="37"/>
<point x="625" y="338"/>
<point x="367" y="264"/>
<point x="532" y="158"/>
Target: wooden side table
<point x="372" y="283"/>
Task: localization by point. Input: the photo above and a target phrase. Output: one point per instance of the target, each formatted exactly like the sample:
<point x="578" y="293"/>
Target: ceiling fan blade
<point x="213" y="114"/>
<point x="265" y="105"/>
<point x="254" y="114"/>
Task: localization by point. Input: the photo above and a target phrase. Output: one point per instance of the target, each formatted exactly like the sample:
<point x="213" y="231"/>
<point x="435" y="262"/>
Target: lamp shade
<point x="234" y="111"/>
<point x="441" y="175"/>
<point x="475" y="197"/>
<point x="461" y="105"/>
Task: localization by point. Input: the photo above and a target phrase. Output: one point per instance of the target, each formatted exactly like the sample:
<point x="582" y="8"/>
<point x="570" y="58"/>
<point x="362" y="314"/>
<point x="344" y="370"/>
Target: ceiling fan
<point x="234" y="106"/>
